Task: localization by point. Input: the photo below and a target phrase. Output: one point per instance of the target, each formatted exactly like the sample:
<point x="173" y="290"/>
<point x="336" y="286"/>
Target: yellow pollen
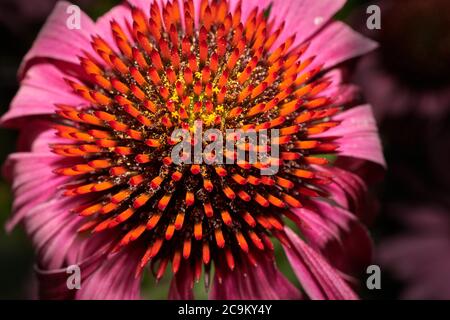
<point x="209" y="119"/>
<point x="220" y="108"/>
<point x="175" y="115"/>
<point x="175" y="97"/>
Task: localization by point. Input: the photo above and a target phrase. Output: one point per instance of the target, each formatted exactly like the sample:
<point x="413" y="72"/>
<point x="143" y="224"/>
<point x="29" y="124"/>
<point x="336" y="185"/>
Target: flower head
<point x="123" y="202"/>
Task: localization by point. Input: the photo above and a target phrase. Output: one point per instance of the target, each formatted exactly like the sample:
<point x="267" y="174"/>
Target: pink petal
<point x="95" y="283"/>
<point x="53" y="226"/>
<point x="46" y="215"/>
<point x="333" y="213"/>
<point x="42" y="87"/>
<point x="263" y="282"/>
<point x="368" y="171"/>
<point x="337" y="43"/>
<point x="315" y="227"/>
<point x="34" y="182"/>
<point x="350" y="191"/>
<point x="56" y="41"/>
<point x="53" y="229"/>
<point x="358" y="134"/>
<point x="337" y="234"/>
<point x="318" y="278"/>
<point x="52" y="284"/>
<point x="325" y="225"/>
<point x="303" y="18"/>
<point x="114" y="279"/>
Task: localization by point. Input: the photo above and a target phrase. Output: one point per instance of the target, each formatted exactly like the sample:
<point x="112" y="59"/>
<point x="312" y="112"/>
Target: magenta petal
<point x="318" y="278"/>
<point x="315" y="228"/>
<point x="114" y="279"/>
<point x="337" y="43"/>
<point x="53" y="228"/>
<point x="337" y="234"/>
<point x="323" y="223"/>
<point x="303" y="17"/>
<point x="90" y="256"/>
<point x="182" y="284"/>
<point x="46" y="215"/>
<point x="333" y="214"/>
<point x="263" y="282"/>
<point x="358" y="134"/>
<point x="57" y="41"/>
<point x="346" y="187"/>
<point x="42" y="87"/>
<point x="350" y="192"/>
<point x="33" y="183"/>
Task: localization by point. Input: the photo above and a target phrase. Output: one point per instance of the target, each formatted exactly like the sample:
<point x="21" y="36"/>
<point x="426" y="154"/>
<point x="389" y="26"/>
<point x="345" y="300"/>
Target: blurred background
<point x="407" y="80"/>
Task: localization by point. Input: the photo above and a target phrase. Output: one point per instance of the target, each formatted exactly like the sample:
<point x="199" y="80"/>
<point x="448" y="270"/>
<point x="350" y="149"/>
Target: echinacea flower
<point x="104" y="192"/>
<point x="409" y="74"/>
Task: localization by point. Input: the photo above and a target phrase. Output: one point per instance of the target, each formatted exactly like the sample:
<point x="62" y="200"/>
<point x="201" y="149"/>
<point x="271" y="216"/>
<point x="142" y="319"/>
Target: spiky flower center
<point x="173" y="68"/>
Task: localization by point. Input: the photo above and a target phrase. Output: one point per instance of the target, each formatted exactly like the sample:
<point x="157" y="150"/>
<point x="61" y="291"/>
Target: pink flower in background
<point x="103" y="192"/>
<point x="419" y="255"/>
<point x="409" y="74"/>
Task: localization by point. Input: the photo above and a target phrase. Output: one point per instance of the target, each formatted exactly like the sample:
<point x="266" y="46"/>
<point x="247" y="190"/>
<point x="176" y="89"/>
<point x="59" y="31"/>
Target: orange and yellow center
<point x="169" y="70"/>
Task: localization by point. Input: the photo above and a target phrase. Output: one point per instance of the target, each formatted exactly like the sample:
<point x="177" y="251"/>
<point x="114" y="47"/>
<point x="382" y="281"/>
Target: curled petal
<point x="42" y="87"/>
